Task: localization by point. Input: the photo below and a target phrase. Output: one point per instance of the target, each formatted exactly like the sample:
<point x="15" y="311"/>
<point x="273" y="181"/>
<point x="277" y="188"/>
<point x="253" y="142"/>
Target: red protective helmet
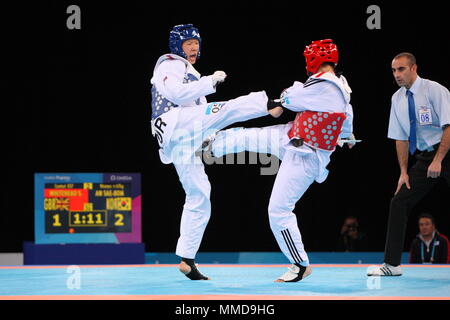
<point x="318" y="52"/>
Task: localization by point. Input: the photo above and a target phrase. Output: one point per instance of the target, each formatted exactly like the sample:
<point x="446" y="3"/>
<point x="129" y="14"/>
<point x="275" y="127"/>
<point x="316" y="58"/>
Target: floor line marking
<point x="211" y="297"/>
<point x="218" y="266"/>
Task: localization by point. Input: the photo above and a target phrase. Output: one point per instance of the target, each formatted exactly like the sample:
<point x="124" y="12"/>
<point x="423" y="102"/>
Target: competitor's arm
<point x="318" y="96"/>
<point x="289" y="98"/>
<point x="347" y="127"/>
<point x="171" y="84"/>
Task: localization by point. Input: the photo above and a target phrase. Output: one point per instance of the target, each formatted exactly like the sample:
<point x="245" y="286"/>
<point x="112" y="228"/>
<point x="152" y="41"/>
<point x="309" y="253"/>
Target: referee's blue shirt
<point x="432" y="102"/>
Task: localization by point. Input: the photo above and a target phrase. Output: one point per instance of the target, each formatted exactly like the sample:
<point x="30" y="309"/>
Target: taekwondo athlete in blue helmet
<point x="182" y="119"/>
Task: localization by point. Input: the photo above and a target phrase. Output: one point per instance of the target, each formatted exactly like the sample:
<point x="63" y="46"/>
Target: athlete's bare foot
<point x="184" y="267"/>
<point x="276" y="112"/>
<point x="191" y="272"/>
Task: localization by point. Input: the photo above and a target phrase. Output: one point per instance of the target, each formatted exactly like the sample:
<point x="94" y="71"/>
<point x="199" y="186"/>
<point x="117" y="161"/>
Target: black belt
<point x="427" y="155"/>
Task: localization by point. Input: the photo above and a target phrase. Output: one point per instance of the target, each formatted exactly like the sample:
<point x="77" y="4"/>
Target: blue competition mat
<point x="230" y="281"/>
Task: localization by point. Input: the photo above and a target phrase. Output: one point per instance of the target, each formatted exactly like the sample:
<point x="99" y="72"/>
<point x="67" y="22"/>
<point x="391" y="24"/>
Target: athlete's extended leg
<point x="269" y="140"/>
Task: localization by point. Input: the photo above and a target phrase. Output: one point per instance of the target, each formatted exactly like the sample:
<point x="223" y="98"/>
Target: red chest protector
<point x="319" y="130"/>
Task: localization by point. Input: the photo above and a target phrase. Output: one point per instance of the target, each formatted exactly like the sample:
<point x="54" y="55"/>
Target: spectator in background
<point x="429" y="246"/>
<point x="351" y="238"/>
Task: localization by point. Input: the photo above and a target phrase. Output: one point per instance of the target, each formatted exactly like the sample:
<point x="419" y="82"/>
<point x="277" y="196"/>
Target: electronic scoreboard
<point x="87" y="208"/>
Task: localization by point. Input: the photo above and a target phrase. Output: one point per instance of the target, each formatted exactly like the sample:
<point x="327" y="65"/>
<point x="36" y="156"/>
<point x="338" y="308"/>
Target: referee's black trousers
<point x="405" y="200"/>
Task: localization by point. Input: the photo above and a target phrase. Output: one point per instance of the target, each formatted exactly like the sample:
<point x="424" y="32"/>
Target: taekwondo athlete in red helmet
<point x="324" y="119"/>
<point x="182" y="118"/>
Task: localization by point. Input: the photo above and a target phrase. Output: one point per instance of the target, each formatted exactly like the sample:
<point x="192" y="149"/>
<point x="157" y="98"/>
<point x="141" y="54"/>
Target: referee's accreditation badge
<point x="425" y="117"/>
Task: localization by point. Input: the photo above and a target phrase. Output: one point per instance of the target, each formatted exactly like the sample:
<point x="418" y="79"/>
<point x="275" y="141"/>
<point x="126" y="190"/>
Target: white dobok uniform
<point x="181" y="120"/>
<point x="323" y="93"/>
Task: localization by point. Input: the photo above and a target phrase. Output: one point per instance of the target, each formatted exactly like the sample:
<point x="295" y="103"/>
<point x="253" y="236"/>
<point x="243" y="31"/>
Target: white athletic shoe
<point x="384" y="270"/>
<point x="295" y="273"/>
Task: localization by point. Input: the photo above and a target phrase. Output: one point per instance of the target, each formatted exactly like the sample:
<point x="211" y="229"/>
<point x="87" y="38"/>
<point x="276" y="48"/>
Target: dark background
<point x="79" y="101"/>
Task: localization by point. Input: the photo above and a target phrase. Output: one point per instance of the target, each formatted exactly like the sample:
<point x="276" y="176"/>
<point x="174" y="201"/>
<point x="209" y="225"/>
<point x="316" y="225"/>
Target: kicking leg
<point x="261" y="140"/>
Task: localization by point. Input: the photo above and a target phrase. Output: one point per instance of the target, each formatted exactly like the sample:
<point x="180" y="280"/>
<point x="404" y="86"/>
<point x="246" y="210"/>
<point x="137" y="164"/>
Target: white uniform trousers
<point x="297" y="172"/>
<point x="193" y="126"/>
<point x="300" y="167"/>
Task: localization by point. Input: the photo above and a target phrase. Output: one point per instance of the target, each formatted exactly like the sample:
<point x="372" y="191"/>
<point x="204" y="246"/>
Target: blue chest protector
<point x="162" y="105"/>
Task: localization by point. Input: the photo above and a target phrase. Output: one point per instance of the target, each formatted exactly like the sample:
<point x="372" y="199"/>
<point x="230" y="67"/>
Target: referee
<point x="420" y="124"/>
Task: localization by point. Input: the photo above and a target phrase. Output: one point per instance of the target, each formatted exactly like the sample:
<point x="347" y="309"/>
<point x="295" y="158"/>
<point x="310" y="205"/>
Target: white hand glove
<point x="218" y="77"/>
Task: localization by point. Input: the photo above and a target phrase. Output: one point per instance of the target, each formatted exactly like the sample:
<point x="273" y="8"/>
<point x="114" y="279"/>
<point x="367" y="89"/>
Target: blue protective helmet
<point x="180" y="33"/>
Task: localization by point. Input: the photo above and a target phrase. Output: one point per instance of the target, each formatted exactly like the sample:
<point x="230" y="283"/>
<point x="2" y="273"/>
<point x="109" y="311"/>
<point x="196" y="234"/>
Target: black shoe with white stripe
<point x="384" y="270"/>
